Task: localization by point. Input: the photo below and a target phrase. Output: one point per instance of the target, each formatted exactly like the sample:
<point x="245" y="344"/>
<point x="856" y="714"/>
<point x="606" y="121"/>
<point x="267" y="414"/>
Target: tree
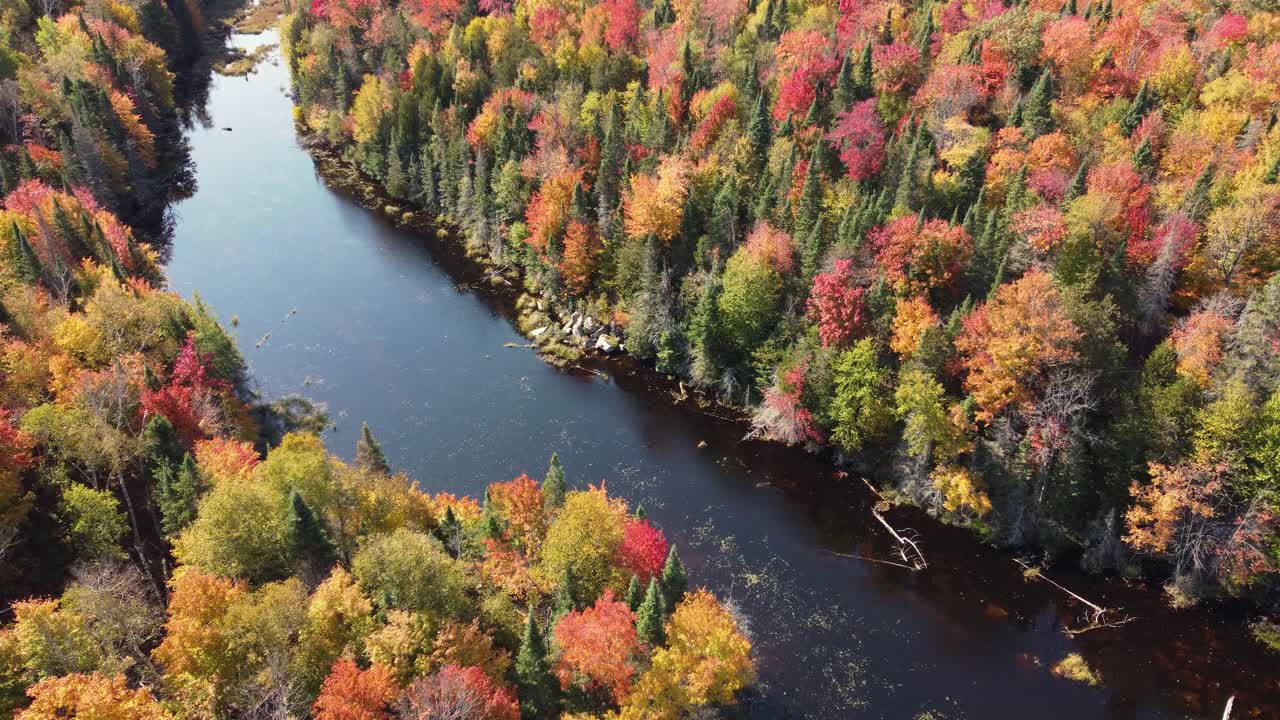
<point x="643" y="549"/>
<point x="90" y="697"/>
<point x="860" y="409"/>
<point x="369" y="453"/>
<point x="919" y="258"/>
<point x="655" y="203"/>
<point x="411" y="571"/>
<point x="651" y="615"/>
<point x="536" y="685"/>
<point x="350" y="693"/>
<point x="600" y="645"/>
<point x="584" y="538"/>
<point x="675" y="581"/>
<point x="241" y="531"/>
<point x="309" y="542"/>
<point x="1037" y="116"/>
<point x="459" y="693"/>
<point x="25" y="261"/>
<point x="553" y="485"/>
<point x="706" y="661"/>
<point x="748" y="303"/>
<point x="860" y="138"/>
<point x="1010" y="341"/>
<point x="838" y="305"/>
<point x="94" y="522"/>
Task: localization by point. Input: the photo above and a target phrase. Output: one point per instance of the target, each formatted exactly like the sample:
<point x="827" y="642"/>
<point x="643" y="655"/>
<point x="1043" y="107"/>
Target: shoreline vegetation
<point x="175" y="549"/>
<point x="972" y="245"/>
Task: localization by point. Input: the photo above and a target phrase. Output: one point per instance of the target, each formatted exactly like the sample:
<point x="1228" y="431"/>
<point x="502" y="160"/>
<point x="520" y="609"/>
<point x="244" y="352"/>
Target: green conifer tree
<point x="535" y="686"/>
<point x="634" y="596"/>
<point x="25" y="261"/>
<point x="675" y="581"/>
<point x="309" y="542"/>
<point x="651" y="616"/>
<point x="554" y="485"/>
<point x="177" y="494"/>
<point x="369" y="455"/>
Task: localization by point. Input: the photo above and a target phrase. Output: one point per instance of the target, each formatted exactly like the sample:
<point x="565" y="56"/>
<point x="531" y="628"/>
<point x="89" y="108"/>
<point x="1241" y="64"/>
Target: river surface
<point x="331" y="301"/>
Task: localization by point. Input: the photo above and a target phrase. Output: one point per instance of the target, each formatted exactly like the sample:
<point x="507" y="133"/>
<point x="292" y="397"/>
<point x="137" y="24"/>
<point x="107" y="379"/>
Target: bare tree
<point x="441" y="696"/>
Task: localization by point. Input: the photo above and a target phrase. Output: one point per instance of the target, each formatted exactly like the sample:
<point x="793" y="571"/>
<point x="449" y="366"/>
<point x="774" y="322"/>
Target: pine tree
<point x="1078" y="184"/>
<point x="1037" y="117"/>
<point x="309" y="542"/>
<point x="1138" y="109"/>
<point x="567" y="593"/>
<point x="864" y="83"/>
<point x="177" y="494"/>
<point x="535" y="686"/>
<point x="1273" y="174"/>
<point x="1144" y="162"/>
<point x="554" y="486"/>
<point x="845" y="92"/>
<point x="633" y="596"/>
<point x="25" y="261"/>
<point x="759" y="130"/>
<point x="68" y="231"/>
<point x="811" y="193"/>
<point x="675" y="581"/>
<point x="369" y="454"/>
<point x="651" y="615"/>
<point x="1196" y="202"/>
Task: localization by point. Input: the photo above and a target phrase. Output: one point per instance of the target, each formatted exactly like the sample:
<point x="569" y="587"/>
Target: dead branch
<point x="1097" y="615"/>
<point x="916" y="557"/>
<point x="1226" y="712"/>
<point x="872" y="560"/>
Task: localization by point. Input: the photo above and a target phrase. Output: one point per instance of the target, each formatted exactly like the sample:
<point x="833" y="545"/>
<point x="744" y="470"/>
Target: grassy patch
<point x="237" y="63"/>
<point x="1267" y="632"/>
<point x="260" y="16"/>
<point x="1073" y="667"/>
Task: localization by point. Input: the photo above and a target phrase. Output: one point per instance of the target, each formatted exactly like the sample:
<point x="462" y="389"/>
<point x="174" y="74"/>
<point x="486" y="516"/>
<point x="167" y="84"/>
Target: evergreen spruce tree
<point x="864" y="84"/>
<point x="1078" y="184"/>
<point x="845" y="92"/>
<point x="25" y="261"/>
<point x="1037" y="116"/>
<point x="567" y="593"/>
<point x="554" y="486"/>
<point x="1273" y="174"/>
<point x="177" y="494"/>
<point x="675" y="581"/>
<point x="759" y="129"/>
<point x="8" y="179"/>
<point x="1196" y="202"/>
<point x="1138" y="109"/>
<point x="534" y="684"/>
<point x="369" y="455"/>
<point x="633" y="596"/>
<point x="810" y="194"/>
<point x="651" y="616"/>
<point x="1144" y="161"/>
<point x="309" y="542"/>
<point x="68" y="230"/>
<point x="639" y="513"/>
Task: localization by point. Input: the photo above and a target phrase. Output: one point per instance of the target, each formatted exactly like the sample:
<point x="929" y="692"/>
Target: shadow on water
<point x="394" y="328"/>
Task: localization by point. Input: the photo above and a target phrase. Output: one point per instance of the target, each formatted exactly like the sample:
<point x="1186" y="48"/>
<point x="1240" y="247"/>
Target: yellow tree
<point x="90" y="697"/>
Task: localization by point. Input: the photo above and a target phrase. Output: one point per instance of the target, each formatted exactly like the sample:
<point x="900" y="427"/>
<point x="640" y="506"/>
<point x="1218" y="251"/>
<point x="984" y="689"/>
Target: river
<point x="331" y="301"/>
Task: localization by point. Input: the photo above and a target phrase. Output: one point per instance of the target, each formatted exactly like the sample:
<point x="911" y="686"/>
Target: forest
<point x="171" y="547"/>
<point x="1017" y="262"/>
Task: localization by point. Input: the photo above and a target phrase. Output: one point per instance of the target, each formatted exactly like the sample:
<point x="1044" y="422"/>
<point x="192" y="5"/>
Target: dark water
<point x="387" y="329"/>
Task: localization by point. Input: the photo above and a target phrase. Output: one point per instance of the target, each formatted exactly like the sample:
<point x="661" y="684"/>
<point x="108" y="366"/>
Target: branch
<point x="873" y="560"/>
<point x="1097" y="618"/>
<point x="918" y="562"/>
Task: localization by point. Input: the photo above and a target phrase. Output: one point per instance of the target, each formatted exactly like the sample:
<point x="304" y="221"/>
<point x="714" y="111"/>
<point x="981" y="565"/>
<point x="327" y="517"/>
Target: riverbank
<point x="406" y="332"/>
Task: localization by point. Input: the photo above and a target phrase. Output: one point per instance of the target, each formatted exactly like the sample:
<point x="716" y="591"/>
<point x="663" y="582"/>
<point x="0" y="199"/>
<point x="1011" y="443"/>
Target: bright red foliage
<point x="15" y="446"/>
<point x="860" y="138"/>
<point x="600" y="644"/>
<point x="805" y="61"/>
<point x="624" y="24"/>
<point x="837" y="305"/>
<point x="643" y="549"/>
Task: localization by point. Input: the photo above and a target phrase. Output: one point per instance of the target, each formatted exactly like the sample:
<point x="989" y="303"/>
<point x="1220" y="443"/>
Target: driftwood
<point x="1226" y="712"/>
<point x="1096" y="617"/>
<point x="908" y="548"/>
<point x="871" y="560"/>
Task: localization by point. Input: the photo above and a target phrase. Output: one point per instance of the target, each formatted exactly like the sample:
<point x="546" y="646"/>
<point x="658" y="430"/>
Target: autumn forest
<point x="1015" y="264"/>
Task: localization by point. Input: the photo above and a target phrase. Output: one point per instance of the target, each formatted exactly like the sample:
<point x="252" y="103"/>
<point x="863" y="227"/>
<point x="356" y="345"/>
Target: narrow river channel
<point x="383" y="326"/>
